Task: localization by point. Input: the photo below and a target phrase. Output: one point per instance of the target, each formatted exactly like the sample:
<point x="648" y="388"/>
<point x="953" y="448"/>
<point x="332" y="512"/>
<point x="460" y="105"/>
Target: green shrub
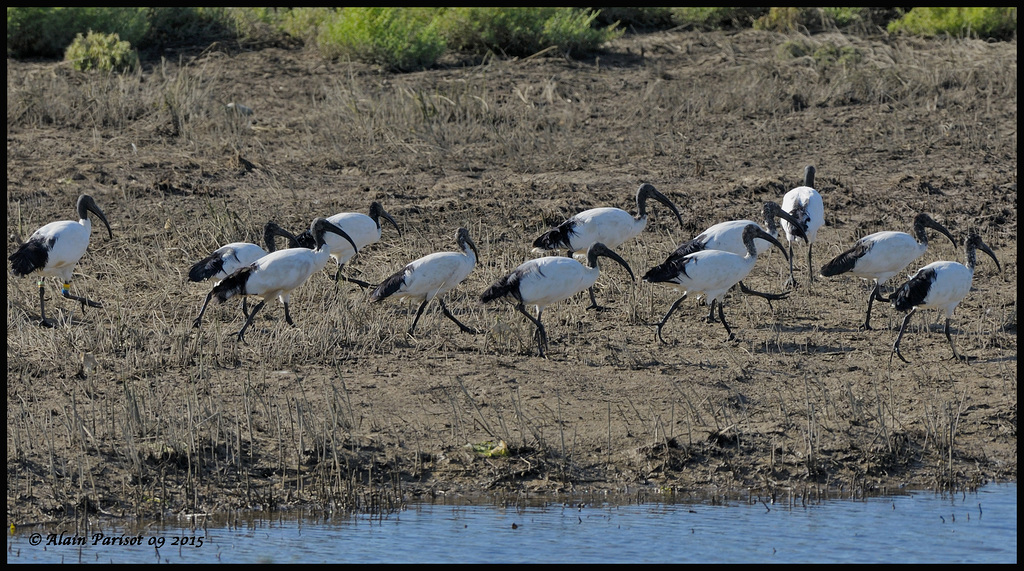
<point x="184" y="24"/>
<point x="716" y="18"/>
<point x="524" y="31"/>
<point x="998" y="23"/>
<point x="47" y="32"/>
<point x="397" y="38"/>
<point x="106" y="52"/>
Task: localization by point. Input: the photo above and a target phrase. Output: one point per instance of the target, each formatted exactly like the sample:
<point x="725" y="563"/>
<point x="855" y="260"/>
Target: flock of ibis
<point x="710" y="265"/>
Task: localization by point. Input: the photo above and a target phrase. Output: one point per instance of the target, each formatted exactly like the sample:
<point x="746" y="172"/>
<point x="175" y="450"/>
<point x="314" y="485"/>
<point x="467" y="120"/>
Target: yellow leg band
<point x="65" y="288"/>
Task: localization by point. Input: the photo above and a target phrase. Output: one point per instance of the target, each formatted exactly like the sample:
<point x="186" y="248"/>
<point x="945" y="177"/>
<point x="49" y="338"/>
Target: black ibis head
<point x="752" y="231"/>
<point x="462" y="239"/>
<point x="321" y="226"/>
<point x="86" y="204"/>
<point x="772" y="210"/>
<point x="974" y="242"/>
<point x="646" y="191"/>
<point x="599" y="249"/>
<point x="377" y="212"/>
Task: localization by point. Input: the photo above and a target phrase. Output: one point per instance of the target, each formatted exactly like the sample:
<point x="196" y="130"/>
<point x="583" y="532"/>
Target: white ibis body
<point x="232" y="257"/>
<point x="364" y="229"/>
<point x="544" y="281"/>
<point x="609" y="226"/>
<point x="431" y="277"/>
<point x="939" y="285"/>
<point x="805" y="204"/>
<point x="882" y="255"/>
<point x="710" y="272"/>
<point x="277" y="274"/>
<point x="728" y="237"/>
<point x="54" y="250"/>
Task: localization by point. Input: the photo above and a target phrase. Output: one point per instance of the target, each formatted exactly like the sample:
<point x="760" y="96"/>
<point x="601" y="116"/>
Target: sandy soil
<point x="128" y="410"/>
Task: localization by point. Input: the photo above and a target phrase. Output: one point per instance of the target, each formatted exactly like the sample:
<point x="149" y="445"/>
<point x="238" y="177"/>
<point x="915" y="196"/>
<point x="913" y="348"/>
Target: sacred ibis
<point x="728" y="236"/>
<point x="431" y="277"/>
<point x="364" y="230"/>
<point x="55" y="249"/>
<point x="939" y="285"/>
<point x="543" y="281"/>
<point x="277" y="274"/>
<point x="803" y="203"/>
<point x="882" y="255"/>
<point x="229" y="258"/>
<point x="609" y="226"/>
<point x="710" y="272"/>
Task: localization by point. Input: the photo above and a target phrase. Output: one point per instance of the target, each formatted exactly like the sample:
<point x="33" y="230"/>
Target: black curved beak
<point x="929" y="222"/>
<point x="766" y="236"/>
<point x="91" y="206"/>
<point x="380" y="212"/>
<point x="648" y="190"/>
<point x="271" y="230"/>
<point x="322" y="225"/>
<point x="798" y="227"/>
<point x="984" y="248"/>
<point x="600" y="249"/>
<point x="462" y="237"/>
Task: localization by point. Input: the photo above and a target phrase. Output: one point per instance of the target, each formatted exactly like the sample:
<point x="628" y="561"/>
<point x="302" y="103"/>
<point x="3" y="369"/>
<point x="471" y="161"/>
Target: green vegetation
<point x="403" y="39"/>
<point x="406" y="39"/>
<point x="716" y="18"/>
<point x="1000" y="23"/>
<point x="525" y="31"/>
<point x="105" y="52"/>
<point x="47" y="32"/>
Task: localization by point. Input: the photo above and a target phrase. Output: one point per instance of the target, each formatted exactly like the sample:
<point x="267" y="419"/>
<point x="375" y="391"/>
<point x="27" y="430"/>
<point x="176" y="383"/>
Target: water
<point x="920" y="527"/>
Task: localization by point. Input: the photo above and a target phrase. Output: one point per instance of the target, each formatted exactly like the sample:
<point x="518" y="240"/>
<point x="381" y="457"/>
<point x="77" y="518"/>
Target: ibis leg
<point x="418" y="313"/>
<point x="769" y="297"/>
<point x="593" y="301"/>
<point x="199" y="320"/>
<point x="339" y="275"/>
<point x="248" y="321"/>
<point x="791" y="282"/>
<point x="42" y="307"/>
<point x="810" y="268"/>
<point x="541" y="334"/>
<point x="899" y="337"/>
<point x="287" y="315"/>
<point x="675" y="304"/>
<point x="949" y="337"/>
<point x="64" y="291"/>
<point x="721" y="315"/>
<point x="711" y="312"/>
<point x="449" y="315"/>
<point x="875" y="294"/>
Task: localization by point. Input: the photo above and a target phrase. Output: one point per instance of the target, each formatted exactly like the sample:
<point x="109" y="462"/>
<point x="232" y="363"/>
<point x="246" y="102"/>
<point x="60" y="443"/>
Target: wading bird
<point x="728" y="236"/>
<point x="609" y="226"/>
<point x="544" y="281"/>
<point x="277" y="274"/>
<point x="710" y="272"/>
<point x="939" y="285"/>
<point x="364" y="230"/>
<point x="882" y="255"/>
<point x="805" y="204"/>
<point x="55" y="249"/>
<point x="431" y="277"/>
<point x="229" y="258"/>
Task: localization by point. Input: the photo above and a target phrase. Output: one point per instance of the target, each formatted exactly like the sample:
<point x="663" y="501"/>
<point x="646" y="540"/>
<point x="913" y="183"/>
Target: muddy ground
<point x="128" y="410"/>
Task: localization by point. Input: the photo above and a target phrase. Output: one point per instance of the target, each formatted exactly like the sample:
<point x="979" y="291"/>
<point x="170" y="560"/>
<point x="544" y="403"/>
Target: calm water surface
<point x="920" y="527"/>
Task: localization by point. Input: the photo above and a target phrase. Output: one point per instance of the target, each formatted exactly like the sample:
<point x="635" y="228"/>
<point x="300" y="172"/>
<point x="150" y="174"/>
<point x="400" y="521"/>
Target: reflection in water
<point x="921" y="527"/>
